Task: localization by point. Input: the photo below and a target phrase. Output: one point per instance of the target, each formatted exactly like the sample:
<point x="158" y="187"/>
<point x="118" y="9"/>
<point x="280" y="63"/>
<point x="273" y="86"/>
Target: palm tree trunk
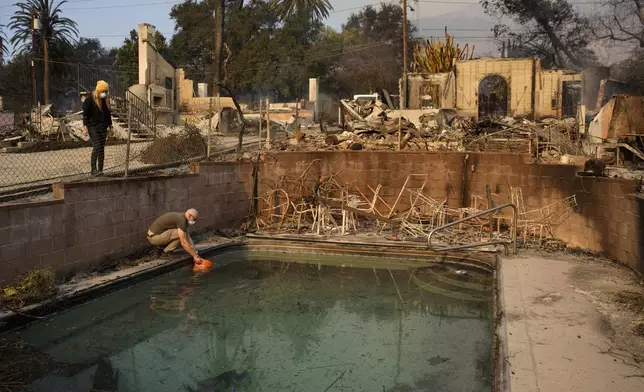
<point x="219" y="43"/>
<point x="46" y="77"/>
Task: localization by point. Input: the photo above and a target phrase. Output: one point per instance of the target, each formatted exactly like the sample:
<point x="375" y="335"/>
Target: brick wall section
<point x="92" y="223"/>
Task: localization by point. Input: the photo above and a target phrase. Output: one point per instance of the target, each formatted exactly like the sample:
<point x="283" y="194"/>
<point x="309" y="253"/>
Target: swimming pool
<point x="270" y="320"/>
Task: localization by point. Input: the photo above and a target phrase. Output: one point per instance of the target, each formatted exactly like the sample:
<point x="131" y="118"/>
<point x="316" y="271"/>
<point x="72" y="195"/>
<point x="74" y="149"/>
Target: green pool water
<point x="259" y="323"/>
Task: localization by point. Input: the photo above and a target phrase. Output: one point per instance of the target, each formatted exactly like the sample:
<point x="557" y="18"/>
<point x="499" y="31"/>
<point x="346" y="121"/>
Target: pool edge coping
<point x="78" y="294"/>
<point x="28" y="312"/>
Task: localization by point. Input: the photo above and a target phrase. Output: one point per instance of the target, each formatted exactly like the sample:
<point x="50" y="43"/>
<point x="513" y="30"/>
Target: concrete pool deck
<point x="564" y="331"/>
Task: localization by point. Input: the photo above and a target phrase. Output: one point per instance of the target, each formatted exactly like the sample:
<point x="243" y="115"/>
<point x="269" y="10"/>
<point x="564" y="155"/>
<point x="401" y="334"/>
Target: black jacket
<point x="93" y="117"/>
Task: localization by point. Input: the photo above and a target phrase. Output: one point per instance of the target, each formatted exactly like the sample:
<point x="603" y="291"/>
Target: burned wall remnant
<point x="431" y="91"/>
<point x="157" y="77"/>
<point x="189" y="103"/>
<point x="620" y="119"/>
<point x="532" y="91"/>
<point x="550" y="88"/>
<point x="517" y="72"/>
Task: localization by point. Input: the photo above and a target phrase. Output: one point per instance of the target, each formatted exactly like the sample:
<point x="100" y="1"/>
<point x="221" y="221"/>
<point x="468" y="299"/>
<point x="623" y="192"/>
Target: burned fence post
<point x="129" y="137"/>
<point x="268" y="124"/>
<point x="259" y="129"/>
<point x="210" y="114"/>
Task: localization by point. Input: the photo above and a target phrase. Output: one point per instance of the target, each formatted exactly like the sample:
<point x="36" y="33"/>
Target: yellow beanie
<point x="102" y="86"/>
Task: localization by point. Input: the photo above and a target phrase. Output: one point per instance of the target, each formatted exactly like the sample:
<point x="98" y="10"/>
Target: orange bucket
<point x="205" y="266"/>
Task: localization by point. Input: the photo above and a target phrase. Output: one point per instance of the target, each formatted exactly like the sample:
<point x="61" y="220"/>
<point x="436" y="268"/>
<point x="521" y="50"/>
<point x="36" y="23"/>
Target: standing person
<point x="171" y="229"/>
<point x="97" y="118"/>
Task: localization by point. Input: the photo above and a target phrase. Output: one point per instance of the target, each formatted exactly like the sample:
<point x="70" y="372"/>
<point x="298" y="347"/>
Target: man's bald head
<point x="192" y="215"/>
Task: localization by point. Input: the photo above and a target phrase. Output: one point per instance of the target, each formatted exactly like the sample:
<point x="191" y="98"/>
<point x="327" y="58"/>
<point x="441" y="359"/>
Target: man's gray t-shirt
<point x="168" y="221"/>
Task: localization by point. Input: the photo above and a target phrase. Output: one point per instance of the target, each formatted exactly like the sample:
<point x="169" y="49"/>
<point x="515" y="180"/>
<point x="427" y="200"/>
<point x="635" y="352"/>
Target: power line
<point x="331" y="12"/>
<point x="351" y="49"/>
<point x="448" y="29"/>
<point x="176" y="2"/>
<point x="463" y="37"/>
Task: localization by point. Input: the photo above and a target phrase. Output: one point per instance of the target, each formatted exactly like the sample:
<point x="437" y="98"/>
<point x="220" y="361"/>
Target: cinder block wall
<point x="370" y="168"/>
<point x="609" y="218"/>
<point x="92" y="223"/>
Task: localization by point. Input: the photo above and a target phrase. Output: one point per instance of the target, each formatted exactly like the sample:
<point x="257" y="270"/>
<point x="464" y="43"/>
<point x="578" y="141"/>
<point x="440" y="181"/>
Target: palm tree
<point x="3" y="45"/>
<point x="319" y="9"/>
<point x="54" y="28"/>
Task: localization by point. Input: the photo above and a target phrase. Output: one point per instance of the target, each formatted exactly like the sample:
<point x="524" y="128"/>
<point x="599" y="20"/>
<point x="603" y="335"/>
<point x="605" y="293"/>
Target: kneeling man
<point x="171" y="229"/>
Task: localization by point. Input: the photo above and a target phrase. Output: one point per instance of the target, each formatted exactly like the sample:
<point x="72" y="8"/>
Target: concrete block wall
<point x="92" y="223"/>
<point x="370" y="168"/>
<point x="609" y="218"/>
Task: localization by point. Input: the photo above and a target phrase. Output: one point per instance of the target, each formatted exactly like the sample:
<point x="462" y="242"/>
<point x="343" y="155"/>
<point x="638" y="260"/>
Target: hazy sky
<point x="110" y="21"/>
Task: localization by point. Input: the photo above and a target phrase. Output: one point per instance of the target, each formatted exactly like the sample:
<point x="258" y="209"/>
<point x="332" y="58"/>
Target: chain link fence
<point x="40" y="146"/>
<point x="44" y="144"/>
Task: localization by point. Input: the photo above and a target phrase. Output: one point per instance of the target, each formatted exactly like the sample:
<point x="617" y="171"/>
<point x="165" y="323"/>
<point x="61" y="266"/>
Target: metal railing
<point x="86" y="78"/>
<point x="142" y="114"/>
<point x="513" y="231"/>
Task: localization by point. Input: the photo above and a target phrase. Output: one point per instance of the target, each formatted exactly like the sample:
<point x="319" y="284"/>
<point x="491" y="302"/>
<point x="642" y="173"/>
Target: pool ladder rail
<point x="513" y="231"/>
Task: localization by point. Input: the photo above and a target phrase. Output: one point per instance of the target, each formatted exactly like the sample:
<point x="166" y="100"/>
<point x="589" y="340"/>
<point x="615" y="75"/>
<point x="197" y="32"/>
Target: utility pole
<point x="220" y="9"/>
<point x="38" y="26"/>
<point x="403" y="99"/>
<point x="404" y="10"/>
<point x="34" y="89"/>
<point x="46" y="67"/>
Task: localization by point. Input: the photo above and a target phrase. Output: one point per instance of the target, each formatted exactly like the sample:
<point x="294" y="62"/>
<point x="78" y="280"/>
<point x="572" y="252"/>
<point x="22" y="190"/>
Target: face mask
<point x="83" y="99"/>
<point x="103" y="95"/>
<point x="191" y="222"/>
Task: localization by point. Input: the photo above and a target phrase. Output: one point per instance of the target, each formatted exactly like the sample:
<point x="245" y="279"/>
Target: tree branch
<point x="639" y="37"/>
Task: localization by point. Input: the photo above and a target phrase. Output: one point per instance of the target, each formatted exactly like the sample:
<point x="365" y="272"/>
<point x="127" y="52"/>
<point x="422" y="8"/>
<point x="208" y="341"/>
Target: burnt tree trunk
<point x="228" y="91"/>
<point x="219" y="43"/>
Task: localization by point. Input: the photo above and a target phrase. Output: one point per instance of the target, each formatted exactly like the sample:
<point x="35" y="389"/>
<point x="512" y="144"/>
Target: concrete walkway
<point x="561" y="332"/>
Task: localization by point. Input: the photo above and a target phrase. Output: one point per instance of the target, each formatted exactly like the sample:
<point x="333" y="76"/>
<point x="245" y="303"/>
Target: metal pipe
<point x="513" y="231"/>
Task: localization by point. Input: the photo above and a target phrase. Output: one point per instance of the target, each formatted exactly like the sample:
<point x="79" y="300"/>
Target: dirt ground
<point x="618" y="293"/>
